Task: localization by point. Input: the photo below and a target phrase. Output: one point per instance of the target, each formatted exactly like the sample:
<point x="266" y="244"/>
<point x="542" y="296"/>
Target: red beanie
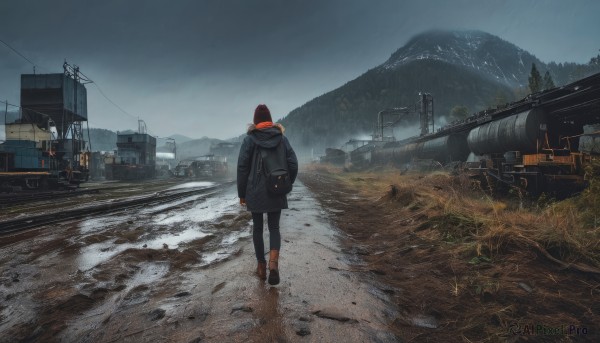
<point x="262" y="114"/>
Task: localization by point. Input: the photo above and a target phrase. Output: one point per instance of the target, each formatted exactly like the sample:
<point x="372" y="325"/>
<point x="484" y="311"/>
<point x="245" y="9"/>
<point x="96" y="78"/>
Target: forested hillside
<point x="471" y="69"/>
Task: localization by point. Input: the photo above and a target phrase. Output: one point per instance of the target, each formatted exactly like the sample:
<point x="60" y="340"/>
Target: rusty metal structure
<point x="532" y="143"/>
<point x="45" y="146"/>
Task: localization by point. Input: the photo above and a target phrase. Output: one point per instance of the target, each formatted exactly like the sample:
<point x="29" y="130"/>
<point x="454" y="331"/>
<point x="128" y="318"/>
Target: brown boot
<point x="274" y="267"/>
<point x="261" y="270"/>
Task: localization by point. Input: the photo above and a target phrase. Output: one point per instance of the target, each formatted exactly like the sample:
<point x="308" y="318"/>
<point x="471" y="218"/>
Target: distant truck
<point x="203" y="167"/>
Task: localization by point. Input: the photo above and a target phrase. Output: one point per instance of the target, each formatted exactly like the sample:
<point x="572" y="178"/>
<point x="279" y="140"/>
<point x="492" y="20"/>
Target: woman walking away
<point x="267" y="168"/>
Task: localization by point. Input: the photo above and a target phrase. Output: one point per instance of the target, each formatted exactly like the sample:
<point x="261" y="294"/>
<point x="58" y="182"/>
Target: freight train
<point x="44" y="147"/>
<point x="531" y="143"/>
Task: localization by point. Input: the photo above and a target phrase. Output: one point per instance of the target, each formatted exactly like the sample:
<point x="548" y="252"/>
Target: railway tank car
<point x="532" y="143"/>
<point x="522" y="132"/>
<point x="443" y="149"/>
<point x="516" y="151"/>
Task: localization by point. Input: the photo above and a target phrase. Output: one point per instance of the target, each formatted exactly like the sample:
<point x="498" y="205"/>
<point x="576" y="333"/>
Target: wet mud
<point x="184" y="272"/>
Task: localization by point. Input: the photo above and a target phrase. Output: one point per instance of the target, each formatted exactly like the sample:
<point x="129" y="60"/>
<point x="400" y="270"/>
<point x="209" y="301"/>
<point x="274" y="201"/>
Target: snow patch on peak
<point x="477" y="50"/>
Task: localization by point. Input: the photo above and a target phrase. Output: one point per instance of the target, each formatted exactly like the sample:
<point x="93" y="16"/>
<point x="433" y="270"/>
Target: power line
<point x="23" y="108"/>
<point x="9" y="104"/>
<point x="85" y="76"/>
<point x="20" y="54"/>
<point x="112" y="102"/>
<point x="89" y="80"/>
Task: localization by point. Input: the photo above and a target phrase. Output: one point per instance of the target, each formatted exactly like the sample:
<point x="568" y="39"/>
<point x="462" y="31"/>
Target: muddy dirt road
<point x="183" y="271"/>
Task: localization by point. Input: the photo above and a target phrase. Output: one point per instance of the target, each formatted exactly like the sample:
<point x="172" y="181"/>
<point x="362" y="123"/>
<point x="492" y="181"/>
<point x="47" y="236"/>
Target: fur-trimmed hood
<point x="252" y="127"/>
<point x="268" y="137"/>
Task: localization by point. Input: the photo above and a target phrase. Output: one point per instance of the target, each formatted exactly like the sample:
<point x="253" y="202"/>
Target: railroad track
<point x="10" y="199"/>
<point x="15" y="225"/>
<point x="14" y="199"/>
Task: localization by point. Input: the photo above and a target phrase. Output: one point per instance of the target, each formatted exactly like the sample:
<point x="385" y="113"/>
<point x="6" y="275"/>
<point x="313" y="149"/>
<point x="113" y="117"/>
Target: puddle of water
<point x="93" y="255"/>
<point x="149" y="272"/>
<point x="207" y="210"/>
<point x="212" y="257"/>
<point x="234" y="237"/>
<point x="171" y="204"/>
<point x="227" y="250"/>
<point x="196" y="184"/>
<point x="192" y="220"/>
<point x="100" y="223"/>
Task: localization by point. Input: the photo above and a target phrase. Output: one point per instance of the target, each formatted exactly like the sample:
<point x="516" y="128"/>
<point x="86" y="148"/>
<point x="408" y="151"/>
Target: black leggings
<point x="257" y="233"/>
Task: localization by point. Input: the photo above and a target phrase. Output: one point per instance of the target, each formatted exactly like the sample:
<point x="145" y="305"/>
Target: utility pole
<point x="73" y="135"/>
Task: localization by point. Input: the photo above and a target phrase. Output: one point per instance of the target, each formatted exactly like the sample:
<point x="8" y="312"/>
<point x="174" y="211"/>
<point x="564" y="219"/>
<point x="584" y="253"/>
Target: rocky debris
<point x="157" y="314"/>
<point x="218" y="287"/>
<point x="303" y="331"/>
<point x="419" y="320"/>
<point x="198" y="339"/>
<point x="199" y="314"/>
<point x="334" y="314"/>
<point x="136" y="296"/>
<point x="424" y="321"/>
<point x="243" y="326"/>
<point x="182" y="294"/>
<point x="99" y="293"/>
<point x="242" y="307"/>
<point x="525" y="287"/>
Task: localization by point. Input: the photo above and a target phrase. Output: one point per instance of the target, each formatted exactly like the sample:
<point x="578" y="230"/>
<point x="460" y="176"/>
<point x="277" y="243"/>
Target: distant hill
<point x="102" y="139"/>
<point x="179" y="139"/>
<point x="469" y="68"/>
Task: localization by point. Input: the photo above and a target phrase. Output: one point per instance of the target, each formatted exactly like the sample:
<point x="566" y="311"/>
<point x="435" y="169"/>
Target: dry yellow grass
<point x="565" y="231"/>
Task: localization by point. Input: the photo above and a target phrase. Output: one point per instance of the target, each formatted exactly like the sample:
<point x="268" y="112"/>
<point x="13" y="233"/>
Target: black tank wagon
<point x="532" y="143"/>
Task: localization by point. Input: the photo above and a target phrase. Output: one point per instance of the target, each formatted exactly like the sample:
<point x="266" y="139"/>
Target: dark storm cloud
<point x="199" y="67"/>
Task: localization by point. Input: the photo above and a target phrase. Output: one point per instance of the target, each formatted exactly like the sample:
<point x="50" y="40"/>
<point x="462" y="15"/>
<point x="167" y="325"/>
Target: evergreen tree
<point x="595" y="60"/>
<point x="535" y="80"/>
<point x="459" y="112"/>
<point x="548" y="82"/>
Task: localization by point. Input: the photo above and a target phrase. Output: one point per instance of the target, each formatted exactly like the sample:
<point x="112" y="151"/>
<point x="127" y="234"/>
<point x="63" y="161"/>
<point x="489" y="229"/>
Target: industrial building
<point x="135" y="158"/>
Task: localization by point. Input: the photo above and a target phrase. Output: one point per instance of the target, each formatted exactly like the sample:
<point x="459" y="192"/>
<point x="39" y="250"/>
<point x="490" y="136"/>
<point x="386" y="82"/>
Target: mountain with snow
<point x="478" y="51"/>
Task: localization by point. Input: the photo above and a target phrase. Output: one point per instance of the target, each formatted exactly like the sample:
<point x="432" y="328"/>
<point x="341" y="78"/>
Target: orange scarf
<point x="264" y="125"/>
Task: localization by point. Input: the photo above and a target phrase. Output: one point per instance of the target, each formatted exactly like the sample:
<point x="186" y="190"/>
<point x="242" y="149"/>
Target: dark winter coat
<point x="251" y="181"/>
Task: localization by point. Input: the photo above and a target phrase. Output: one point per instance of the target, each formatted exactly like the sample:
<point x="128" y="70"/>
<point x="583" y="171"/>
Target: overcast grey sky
<point x="200" y="67"/>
